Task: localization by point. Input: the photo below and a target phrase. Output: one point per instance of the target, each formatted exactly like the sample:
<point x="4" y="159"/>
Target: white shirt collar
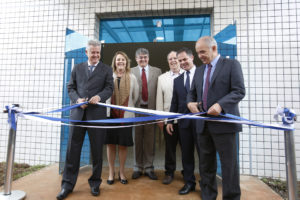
<point x="173" y="74"/>
<point x="146" y="68"/>
<point x="89" y="64"/>
<point x="192" y="70"/>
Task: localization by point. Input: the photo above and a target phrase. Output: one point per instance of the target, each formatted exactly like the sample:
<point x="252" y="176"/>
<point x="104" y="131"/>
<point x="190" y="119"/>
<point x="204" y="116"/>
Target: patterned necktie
<point x="91" y="69"/>
<point x="207" y="83"/>
<point x="187" y="81"/>
<point x="144" y="86"/>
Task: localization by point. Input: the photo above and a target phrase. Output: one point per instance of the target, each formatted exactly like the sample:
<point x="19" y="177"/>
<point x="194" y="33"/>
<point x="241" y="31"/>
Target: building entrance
<point x="159" y="36"/>
<point x="158" y="52"/>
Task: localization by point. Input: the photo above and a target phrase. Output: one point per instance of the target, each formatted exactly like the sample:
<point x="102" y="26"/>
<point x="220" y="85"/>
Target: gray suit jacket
<point x="154" y="73"/>
<point x="82" y="86"/>
<point x="226" y="88"/>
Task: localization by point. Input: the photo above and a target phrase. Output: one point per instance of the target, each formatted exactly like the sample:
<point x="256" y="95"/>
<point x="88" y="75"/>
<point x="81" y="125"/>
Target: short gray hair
<point x="209" y="41"/>
<point x="94" y="43"/>
<point x="142" y="51"/>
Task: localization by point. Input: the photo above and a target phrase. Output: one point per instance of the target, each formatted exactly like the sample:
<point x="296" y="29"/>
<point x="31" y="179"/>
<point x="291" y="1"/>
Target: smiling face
<point x="142" y="60"/>
<point x="120" y="63"/>
<point x="186" y="61"/>
<point x="93" y="54"/>
<point x="173" y="62"/>
<point x="204" y="52"/>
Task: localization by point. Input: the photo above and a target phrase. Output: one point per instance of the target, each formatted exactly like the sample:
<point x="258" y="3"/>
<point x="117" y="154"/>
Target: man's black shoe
<point x="186" y="189"/>
<point x="136" y="174"/>
<point x="63" y="194"/>
<point x="95" y="191"/>
<point x="151" y="175"/>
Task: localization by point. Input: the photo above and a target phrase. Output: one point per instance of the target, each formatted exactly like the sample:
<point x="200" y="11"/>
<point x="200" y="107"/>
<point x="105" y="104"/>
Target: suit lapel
<point x="150" y="75"/>
<point x="201" y="75"/>
<point x="217" y="70"/>
<point x="86" y="69"/>
<point x="182" y="88"/>
<point x="97" y="68"/>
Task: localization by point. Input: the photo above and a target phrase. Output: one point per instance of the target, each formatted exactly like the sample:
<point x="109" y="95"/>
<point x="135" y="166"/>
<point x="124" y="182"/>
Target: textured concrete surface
<point x="45" y="184"/>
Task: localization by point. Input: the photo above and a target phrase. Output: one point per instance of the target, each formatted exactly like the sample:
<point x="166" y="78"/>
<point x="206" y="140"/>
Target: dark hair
<point x="186" y="50"/>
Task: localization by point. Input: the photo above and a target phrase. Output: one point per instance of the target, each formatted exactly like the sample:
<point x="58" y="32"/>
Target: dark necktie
<point x="187" y="81"/>
<point x="91" y="69"/>
<point x="144" y="86"/>
<point x="207" y="83"/>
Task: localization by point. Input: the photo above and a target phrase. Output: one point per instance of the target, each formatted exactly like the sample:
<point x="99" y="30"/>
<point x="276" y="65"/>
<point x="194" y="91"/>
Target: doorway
<point x="157" y="58"/>
<point x="159" y="35"/>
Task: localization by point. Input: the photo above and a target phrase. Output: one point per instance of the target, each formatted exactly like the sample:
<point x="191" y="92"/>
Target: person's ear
<point x="214" y="48"/>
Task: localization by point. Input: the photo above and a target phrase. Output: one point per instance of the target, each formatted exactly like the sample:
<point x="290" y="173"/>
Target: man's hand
<point x="215" y="109"/>
<point x="81" y="100"/>
<point x="161" y="125"/>
<point x="95" y="99"/>
<point x="193" y="107"/>
<point x="170" y="129"/>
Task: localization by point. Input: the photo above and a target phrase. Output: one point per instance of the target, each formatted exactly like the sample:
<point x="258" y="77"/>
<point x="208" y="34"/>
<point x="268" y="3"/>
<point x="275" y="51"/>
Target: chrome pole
<point x="8" y="194"/>
<point x="290" y="165"/>
<point x="10" y="161"/>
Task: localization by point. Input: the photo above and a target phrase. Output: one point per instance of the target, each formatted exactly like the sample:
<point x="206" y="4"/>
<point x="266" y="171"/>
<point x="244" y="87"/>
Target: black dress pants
<point x="188" y="139"/>
<point x="225" y="145"/>
<point x="76" y="138"/>
<point x="171" y="142"/>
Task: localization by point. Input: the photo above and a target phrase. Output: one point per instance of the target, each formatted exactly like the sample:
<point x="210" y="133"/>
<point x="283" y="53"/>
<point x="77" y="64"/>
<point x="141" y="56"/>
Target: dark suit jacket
<point x="226" y="88"/>
<point x="82" y="86"/>
<point x="178" y="103"/>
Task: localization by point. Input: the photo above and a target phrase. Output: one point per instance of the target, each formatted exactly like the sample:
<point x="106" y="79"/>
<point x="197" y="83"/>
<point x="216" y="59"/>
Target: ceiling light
<point x="159" y="38"/>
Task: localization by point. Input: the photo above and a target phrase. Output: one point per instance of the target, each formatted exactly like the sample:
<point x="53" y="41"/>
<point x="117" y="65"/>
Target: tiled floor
<point x="45" y="184"/>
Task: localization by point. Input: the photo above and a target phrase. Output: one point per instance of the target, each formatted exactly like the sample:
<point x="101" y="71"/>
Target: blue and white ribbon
<point x="152" y="116"/>
<point x="12" y="117"/>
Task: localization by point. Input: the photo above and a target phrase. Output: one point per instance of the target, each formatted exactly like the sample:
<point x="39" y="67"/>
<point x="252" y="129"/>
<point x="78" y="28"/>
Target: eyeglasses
<point x="142" y="57"/>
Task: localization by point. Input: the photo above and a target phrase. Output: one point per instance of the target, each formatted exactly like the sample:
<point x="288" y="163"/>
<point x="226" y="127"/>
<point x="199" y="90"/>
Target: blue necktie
<point x="91" y="69"/>
<point x="187" y="82"/>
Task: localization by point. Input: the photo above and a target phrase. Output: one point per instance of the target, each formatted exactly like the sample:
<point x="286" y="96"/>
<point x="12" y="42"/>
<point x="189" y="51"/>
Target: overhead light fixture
<point x="158" y="23"/>
<point x="158" y="38"/>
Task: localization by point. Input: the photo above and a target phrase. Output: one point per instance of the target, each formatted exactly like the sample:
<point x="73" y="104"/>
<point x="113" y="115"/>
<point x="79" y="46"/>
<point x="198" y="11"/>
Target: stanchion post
<point x="290" y="161"/>
<point x="10" y="161"/>
<point x="8" y="194"/>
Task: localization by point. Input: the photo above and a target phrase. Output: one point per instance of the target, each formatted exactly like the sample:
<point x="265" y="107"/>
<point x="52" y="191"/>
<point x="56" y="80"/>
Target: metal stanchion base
<point x="15" y="195"/>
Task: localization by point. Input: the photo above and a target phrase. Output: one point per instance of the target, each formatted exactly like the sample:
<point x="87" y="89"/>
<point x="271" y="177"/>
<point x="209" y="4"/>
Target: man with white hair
<point x="218" y="87"/>
<point x="90" y="81"/>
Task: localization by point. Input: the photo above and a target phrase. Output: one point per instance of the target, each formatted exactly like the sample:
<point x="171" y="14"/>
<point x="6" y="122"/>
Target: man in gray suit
<point x="218" y="87"/>
<point x="90" y="81"/>
<point x="145" y="135"/>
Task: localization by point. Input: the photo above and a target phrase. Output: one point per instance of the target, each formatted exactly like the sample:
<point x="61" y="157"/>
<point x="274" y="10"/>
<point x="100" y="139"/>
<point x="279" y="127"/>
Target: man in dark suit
<point x="218" y="87"/>
<point x="186" y="127"/>
<point x="90" y="81"/>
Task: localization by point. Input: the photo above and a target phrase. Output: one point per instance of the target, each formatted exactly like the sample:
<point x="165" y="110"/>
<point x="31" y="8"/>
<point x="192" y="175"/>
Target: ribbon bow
<point x="288" y="116"/>
<point x="12" y="110"/>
